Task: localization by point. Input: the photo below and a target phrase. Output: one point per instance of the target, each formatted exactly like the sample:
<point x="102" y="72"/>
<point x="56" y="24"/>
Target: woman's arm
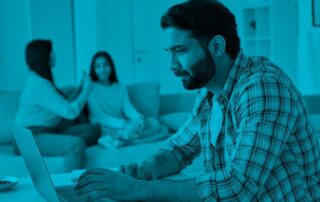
<point x="86" y="90"/>
<point x="75" y="93"/>
<point x="49" y="98"/>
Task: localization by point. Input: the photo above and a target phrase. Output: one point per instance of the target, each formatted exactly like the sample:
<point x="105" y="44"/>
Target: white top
<point x="215" y="121"/>
<point x="110" y="105"/>
<point x="42" y="105"/>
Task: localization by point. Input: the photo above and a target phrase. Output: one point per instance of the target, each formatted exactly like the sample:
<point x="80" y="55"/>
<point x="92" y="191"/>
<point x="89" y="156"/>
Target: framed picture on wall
<point x="316" y="13"/>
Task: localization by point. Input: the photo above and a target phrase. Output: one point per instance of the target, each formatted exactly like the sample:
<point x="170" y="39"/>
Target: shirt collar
<point x="239" y="66"/>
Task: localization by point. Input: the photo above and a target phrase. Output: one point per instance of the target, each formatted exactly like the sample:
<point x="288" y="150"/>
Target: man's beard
<point x="203" y="70"/>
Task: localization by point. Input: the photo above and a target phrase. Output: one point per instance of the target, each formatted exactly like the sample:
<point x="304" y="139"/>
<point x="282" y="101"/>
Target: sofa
<point x="172" y="110"/>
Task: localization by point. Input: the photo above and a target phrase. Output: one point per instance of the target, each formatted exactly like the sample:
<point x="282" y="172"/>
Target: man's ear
<point x="217" y="46"/>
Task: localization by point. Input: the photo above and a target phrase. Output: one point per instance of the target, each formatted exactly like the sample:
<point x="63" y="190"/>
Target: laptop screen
<point x="34" y="162"/>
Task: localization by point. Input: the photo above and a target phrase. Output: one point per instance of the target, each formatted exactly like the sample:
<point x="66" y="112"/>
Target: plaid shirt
<point x="266" y="150"/>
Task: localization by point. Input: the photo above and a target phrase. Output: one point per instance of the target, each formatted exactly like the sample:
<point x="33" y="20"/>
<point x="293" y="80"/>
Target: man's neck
<point x="218" y="81"/>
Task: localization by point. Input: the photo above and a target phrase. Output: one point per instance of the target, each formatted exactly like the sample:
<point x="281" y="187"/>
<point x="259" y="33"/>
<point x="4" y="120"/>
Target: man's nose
<point x="174" y="63"/>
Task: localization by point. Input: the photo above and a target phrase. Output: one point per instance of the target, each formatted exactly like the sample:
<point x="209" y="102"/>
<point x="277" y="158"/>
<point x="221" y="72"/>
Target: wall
<point x="24" y="20"/>
<point x="114" y="35"/>
<point x="15" y="33"/>
<point x="108" y="25"/>
<point x="130" y="31"/>
<point x="1" y="36"/>
<point x="308" y="51"/>
<point x="308" y="60"/>
<point x="53" y="20"/>
<point x="85" y="26"/>
<point x="150" y="59"/>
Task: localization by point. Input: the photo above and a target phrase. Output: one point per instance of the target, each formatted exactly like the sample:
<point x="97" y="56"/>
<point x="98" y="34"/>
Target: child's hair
<point x="113" y="75"/>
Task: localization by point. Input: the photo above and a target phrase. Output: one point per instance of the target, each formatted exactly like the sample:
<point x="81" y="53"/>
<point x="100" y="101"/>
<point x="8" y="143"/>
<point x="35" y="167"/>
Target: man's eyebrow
<point x="174" y="47"/>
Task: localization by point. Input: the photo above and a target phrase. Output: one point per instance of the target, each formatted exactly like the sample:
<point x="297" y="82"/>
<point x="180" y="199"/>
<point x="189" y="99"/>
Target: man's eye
<point x="180" y="50"/>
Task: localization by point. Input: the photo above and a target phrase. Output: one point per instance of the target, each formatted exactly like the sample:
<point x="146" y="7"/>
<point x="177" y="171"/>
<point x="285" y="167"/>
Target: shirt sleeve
<point x="267" y="114"/>
<point x="49" y="98"/>
<point x="185" y="144"/>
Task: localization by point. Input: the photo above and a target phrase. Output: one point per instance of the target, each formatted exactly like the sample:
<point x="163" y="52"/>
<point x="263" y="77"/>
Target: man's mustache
<point x="181" y="73"/>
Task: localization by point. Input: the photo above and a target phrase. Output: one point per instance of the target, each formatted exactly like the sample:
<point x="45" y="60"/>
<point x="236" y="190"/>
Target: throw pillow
<point x="145" y="97"/>
<point x="174" y="121"/>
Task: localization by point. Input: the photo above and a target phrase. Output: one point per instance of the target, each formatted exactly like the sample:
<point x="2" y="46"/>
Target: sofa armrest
<point x="179" y="102"/>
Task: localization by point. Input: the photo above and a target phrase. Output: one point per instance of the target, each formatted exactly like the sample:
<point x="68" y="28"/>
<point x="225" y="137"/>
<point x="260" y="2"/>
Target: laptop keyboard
<point x="69" y="194"/>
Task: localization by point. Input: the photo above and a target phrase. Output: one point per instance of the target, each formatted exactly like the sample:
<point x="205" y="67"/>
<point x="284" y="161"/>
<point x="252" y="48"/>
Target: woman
<point x="109" y="106"/>
<point x="43" y="109"/>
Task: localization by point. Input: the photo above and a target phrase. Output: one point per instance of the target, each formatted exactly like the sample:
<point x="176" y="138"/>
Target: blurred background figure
<point x="109" y="106"/>
<point x="44" y="109"/>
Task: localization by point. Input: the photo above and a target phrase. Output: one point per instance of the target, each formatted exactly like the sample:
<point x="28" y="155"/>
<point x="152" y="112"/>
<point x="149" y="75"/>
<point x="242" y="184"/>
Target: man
<point x="249" y="121"/>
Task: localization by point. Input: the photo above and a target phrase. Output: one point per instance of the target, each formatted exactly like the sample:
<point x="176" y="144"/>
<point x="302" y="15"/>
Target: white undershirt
<point x="215" y="121"/>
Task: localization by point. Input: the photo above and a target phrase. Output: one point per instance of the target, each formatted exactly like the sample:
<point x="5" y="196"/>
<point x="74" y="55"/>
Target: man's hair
<point x="37" y="55"/>
<point x="113" y="75"/>
<point x="205" y="19"/>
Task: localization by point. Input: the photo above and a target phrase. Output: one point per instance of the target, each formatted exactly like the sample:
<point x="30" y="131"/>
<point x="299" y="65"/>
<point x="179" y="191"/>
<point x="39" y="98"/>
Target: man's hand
<point x="98" y="183"/>
<point x="145" y="171"/>
<point x="160" y="165"/>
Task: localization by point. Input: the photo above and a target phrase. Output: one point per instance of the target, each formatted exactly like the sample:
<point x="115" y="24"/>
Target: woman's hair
<point x="37" y="55"/>
<point x="205" y="19"/>
<point x="113" y="75"/>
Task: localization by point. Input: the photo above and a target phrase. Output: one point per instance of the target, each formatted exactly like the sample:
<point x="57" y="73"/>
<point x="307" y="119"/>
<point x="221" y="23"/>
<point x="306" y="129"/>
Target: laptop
<point x="38" y="169"/>
<point x="40" y="175"/>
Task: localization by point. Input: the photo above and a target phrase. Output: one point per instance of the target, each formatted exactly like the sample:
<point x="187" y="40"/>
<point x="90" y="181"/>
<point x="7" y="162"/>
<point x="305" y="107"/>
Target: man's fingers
<point x="96" y="196"/>
<point x="143" y="173"/>
<point x="153" y="176"/>
<point x="122" y="169"/>
<point x="146" y="173"/>
<point x="131" y="170"/>
<point x="92" y="188"/>
<point x="96" y="171"/>
<point x="88" y="179"/>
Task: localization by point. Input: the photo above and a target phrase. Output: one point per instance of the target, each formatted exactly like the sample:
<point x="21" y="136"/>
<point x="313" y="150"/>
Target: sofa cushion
<point x="315" y="120"/>
<point x="174" y="121"/>
<point x="145" y="97"/>
<point x="98" y="156"/>
<point x="9" y="101"/>
<point x="177" y="102"/>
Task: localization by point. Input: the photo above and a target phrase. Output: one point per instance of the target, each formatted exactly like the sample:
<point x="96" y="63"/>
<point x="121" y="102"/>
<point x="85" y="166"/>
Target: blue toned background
<point x="130" y="31"/>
